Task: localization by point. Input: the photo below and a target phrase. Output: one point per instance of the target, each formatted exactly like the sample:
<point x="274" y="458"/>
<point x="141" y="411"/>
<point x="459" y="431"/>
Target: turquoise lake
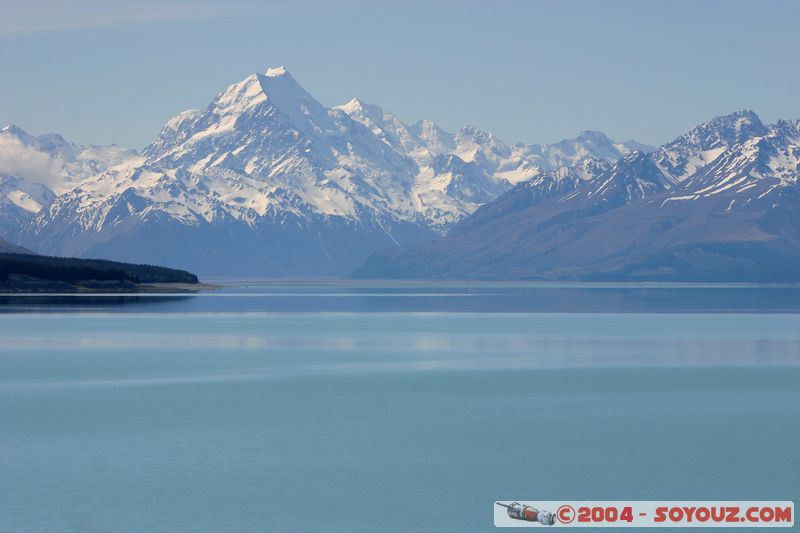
<point x="347" y="407"/>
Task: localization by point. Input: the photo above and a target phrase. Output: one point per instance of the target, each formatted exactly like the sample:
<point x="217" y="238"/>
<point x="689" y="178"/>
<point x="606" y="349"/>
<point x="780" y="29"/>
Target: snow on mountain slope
<point x="20" y="199"/>
<point x="563" y="182"/>
<point x="387" y="128"/>
<point x="734" y="218"/>
<point x="34" y="169"/>
<point x="704" y="143"/>
<point x="263" y="161"/>
<point x="455" y="172"/>
<point x="270" y="135"/>
<point x="592" y="187"/>
<point x="267" y="181"/>
<point x="460" y="171"/>
<point x="760" y="170"/>
<point x="52" y="161"/>
<point x="424" y="140"/>
<point x="631" y="179"/>
<point x="570" y="152"/>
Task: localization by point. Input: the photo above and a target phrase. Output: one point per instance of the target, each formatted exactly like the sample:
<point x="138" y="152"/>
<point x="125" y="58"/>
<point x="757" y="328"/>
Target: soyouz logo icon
<point x="618" y="514"/>
<point x="517" y="511"/>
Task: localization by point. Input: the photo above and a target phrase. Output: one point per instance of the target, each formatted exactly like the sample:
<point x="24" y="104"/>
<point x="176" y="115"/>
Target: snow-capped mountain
<point x="700" y="146"/>
<point x="761" y="170"/>
<point x="719" y="203"/>
<point x="455" y="173"/>
<point x="629" y="180"/>
<point x="570" y="152"/>
<point x="20" y="200"/>
<point x="264" y="181"/>
<point x="34" y="169"/>
<point x="267" y="181"/>
<point x="563" y="182"/>
<point x="460" y="171"/>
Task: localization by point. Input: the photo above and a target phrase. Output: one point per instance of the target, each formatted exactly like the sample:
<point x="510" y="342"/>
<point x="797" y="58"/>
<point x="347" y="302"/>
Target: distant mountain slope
<point x="266" y="181"/>
<point x="736" y="217"/>
<point x="7" y="247"/>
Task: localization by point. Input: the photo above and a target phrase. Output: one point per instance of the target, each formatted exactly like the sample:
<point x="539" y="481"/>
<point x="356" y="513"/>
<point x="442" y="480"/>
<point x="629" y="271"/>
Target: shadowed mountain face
<point x="266" y="181"/>
<point x="11" y="248"/>
<point x="720" y="203"/>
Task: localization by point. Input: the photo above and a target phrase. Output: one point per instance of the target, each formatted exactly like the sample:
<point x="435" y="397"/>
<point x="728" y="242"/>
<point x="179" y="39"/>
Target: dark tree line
<point x="71" y="270"/>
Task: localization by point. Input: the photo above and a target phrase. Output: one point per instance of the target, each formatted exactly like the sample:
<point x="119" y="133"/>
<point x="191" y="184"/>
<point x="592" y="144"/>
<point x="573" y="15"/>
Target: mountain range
<point x="266" y="181"/>
<point x="719" y="203"/>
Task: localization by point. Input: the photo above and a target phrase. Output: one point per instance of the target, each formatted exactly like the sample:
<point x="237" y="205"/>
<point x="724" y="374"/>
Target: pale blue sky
<point x="531" y="71"/>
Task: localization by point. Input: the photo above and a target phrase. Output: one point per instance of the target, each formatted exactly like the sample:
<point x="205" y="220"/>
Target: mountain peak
<point x="278" y="85"/>
<point x="738" y="120"/>
<point x="788" y="127"/>
<point x="472" y="131"/>
<point x="275" y="88"/>
<point x="476" y="135"/>
<point x="746" y="113"/>
<point x="593" y="136"/>
<point x="638" y="165"/>
<point x="359" y="107"/>
<point x="241" y="96"/>
<point x="636" y="155"/>
<point x="424" y="124"/>
<point x="175" y="122"/>
<point x="355" y="103"/>
<point x="276" y="82"/>
<point x="277" y="72"/>
<point x="15" y="130"/>
<point x="720" y="132"/>
<point x="426" y="127"/>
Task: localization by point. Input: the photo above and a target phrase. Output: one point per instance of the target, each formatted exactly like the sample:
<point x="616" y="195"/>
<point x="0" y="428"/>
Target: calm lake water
<point x="343" y="407"/>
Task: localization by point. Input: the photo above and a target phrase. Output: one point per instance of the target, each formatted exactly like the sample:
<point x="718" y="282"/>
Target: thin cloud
<point x="19" y="17"/>
<point x="23" y="17"/>
<point x="18" y="159"/>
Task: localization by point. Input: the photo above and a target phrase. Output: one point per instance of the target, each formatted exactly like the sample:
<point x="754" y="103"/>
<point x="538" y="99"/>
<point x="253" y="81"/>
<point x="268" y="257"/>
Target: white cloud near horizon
<point x="18" y="159"/>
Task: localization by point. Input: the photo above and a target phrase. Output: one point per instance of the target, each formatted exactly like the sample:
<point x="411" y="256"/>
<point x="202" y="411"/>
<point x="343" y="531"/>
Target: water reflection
<point x="22" y="303"/>
<point x="341" y="296"/>
<point x="267" y="345"/>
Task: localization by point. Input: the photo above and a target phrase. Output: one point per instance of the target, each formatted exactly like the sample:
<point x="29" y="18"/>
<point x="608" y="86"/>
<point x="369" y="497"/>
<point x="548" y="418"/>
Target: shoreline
<point x="139" y="288"/>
